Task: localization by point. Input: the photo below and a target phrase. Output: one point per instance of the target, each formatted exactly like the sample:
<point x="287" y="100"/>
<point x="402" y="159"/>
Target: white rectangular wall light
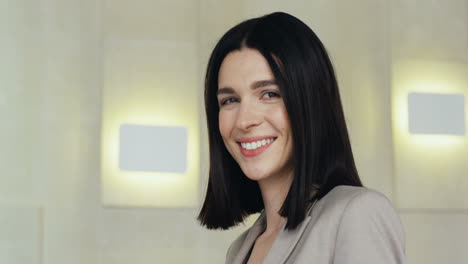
<point x="152" y="148"/>
<point x="430" y="113"/>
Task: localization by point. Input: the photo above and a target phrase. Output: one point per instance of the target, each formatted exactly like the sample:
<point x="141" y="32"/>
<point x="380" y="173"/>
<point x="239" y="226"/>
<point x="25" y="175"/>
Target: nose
<point x="248" y="116"/>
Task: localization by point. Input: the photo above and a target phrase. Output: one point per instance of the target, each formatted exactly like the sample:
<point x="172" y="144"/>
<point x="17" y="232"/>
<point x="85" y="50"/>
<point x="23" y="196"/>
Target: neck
<point x="274" y="191"/>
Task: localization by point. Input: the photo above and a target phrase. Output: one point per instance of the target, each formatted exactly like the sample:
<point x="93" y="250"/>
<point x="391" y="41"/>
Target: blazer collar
<point x="283" y="245"/>
<point x="257" y="228"/>
<point x="287" y="240"/>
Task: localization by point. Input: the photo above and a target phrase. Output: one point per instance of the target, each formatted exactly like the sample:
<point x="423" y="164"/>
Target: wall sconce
<point x="150" y="166"/>
<point x="432" y="113"/>
<point x="152" y="148"/>
<point x="428" y="124"/>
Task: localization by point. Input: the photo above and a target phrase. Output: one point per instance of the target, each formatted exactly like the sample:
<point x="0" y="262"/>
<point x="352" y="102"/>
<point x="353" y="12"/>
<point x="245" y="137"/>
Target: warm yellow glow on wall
<point x="148" y="189"/>
<point x="423" y="77"/>
<point x="430" y="170"/>
<point x="155" y="84"/>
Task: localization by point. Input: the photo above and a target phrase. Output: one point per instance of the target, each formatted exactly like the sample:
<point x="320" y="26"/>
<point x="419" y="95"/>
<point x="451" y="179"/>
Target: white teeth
<point x="256" y="144"/>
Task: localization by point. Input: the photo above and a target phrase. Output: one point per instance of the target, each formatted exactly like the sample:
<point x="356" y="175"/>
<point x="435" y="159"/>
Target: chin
<point x="255" y="175"/>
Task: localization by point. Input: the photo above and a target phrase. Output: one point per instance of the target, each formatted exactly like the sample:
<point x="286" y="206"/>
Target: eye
<point x="271" y="95"/>
<point x="228" y="101"/>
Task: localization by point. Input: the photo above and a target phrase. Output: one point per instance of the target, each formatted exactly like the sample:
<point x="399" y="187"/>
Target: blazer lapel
<point x="257" y="228"/>
<point x="286" y="241"/>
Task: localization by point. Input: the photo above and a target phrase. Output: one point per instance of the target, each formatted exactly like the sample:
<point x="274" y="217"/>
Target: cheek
<point x="281" y="120"/>
<point x="225" y="124"/>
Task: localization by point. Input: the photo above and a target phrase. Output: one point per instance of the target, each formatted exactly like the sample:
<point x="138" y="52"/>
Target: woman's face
<point x="253" y="121"/>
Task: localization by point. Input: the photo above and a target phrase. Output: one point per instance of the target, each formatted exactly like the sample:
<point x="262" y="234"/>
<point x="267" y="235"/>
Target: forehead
<point x="243" y="67"/>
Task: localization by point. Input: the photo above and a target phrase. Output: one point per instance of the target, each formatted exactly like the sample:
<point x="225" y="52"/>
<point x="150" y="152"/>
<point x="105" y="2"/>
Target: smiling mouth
<point x="256" y="144"/>
<point x="251" y="149"/>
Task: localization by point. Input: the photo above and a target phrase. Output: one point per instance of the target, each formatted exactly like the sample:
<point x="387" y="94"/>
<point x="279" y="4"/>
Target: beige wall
<point x="429" y="42"/>
<point x="50" y="107"/>
<point x="60" y="60"/>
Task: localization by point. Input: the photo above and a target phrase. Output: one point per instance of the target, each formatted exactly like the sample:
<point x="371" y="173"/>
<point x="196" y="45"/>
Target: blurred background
<point x="73" y="71"/>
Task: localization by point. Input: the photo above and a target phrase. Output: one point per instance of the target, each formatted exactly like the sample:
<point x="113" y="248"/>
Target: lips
<point x="251" y="147"/>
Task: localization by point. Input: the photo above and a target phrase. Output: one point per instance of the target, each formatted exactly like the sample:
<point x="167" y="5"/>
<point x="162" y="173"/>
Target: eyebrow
<point x="255" y="85"/>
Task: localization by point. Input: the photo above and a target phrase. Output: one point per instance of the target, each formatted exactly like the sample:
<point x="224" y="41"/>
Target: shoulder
<point x="359" y="206"/>
<point x="343" y="200"/>
<point x="368" y="226"/>
<point x="360" y="201"/>
<point x="342" y="195"/>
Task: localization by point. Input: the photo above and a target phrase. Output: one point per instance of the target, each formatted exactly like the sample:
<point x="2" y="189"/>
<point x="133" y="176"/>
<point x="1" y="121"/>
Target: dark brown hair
<point x="321" y="148"/>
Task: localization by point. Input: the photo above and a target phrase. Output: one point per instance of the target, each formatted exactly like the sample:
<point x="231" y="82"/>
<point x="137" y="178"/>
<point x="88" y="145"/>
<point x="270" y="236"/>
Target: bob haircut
<point x="322" y="155"/>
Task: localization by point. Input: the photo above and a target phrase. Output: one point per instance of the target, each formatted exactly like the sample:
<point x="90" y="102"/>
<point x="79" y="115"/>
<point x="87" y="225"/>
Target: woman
<point x="279" y="146"/>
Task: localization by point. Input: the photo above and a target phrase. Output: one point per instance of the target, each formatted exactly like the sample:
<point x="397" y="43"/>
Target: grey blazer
<point x="349" y="225"/>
